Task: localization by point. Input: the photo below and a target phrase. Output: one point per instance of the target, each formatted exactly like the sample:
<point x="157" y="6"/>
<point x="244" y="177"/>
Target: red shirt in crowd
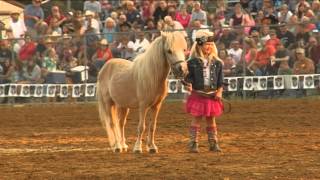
<point x="263" y="56"/>
<point x="27" y="51"/>
<point x="101" y="53"/>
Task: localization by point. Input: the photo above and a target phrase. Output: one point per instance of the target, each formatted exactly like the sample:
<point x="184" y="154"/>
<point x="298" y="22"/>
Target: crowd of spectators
<point x="255" y="37"/>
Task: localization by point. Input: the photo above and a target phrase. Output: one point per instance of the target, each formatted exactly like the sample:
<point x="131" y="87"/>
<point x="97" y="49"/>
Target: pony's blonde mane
<point x="151" y="67"/>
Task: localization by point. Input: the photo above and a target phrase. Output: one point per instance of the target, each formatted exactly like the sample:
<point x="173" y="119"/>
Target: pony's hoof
<point x="117" y="150"/>
<point x="138" y="151"/>
<point x="153" y="151"/>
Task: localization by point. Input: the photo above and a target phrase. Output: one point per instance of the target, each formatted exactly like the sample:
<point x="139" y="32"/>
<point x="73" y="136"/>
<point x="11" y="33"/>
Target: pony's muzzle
<point x="181" y="70"/>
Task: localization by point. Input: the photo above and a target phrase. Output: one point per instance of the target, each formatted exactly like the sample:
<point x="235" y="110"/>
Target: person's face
<point x="300" y="56"/>
<point x="109" y="24"/>
<point x="273" y="35"/>
<point x="222" y="54"/>
<point x="196" y="6"/>
<point x="312" y="42"/>
<point x="283" y="29"/>
<point x="280" y="47"/>
<point x="130" y="6"/>
<point x="207" y="48"/>
<point x="162" y="4"/>
<point x="55" y="10"/>
<point x="36" y="3"/>
<point x="236" y="45"/>
<point x="15" y="17"/>
<point x="197" y="24"/>
<point x="150" y="25"/>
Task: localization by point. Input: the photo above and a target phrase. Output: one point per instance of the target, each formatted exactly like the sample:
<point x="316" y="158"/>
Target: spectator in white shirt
<point x="126" y="47"/>
<point x="141" y="43"/>
<point x="198" y="13"/>
<point x="17" y="25"/>
<point x="235" y="51"/>
<point x="92" y="22"/>
<point x="284" y="14"/>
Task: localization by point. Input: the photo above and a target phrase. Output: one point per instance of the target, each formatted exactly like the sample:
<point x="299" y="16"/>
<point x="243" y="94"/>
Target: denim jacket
<point x="195" y="76"/>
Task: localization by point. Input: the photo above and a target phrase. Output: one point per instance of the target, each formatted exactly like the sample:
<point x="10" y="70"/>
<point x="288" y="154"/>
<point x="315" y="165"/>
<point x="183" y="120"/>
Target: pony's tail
<point x="104" y="117"/>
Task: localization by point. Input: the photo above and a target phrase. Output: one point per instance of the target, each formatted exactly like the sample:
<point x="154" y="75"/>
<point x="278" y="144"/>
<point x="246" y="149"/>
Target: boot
<point x="213" y="139"/>
<point x="194" y="139"/>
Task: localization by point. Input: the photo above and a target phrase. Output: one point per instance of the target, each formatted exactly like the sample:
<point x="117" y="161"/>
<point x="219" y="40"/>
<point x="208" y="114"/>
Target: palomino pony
<point x="139" y="84"/>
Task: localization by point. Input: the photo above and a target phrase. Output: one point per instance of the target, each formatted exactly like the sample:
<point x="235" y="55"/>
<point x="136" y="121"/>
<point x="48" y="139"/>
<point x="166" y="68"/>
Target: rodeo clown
<point x="205" y="82"/>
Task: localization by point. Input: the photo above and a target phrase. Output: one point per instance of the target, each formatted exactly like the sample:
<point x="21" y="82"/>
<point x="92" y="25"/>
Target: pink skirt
<point x="197" y="105"/>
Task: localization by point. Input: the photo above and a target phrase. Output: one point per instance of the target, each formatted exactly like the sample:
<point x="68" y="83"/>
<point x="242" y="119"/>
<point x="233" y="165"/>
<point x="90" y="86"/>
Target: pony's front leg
<point x="141" y="127"/>
<point x="151" y="147"/>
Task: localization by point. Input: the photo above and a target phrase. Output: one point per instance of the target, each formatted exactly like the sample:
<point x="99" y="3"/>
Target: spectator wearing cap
<point x="302" y="64"/>
<point x="161" y="11"/>
<point x="109" y="29"/>
<point x="183" y="16"/>
<point x="235" y="52"/>
<point x="133" y="15"/>
<point x="93" y="6"/>
<point x="91" y="22"/>
<point x="33" y="14"/>
<point x="198" y="14"/>
<point x="17" y="25"/>
<point x="284" y="14"/>
<point x="102" y="54"/>
<point x="285" y="36"/>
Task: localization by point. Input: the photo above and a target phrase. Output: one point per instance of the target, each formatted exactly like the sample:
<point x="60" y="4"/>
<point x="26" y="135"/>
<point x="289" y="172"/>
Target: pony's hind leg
<point x="151" y="147"/>
<point x="123" y="113"/>
<point x="116" y="129"/>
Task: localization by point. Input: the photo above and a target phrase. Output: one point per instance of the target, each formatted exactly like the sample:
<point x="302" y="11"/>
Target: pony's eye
<point x="169" y="51"/>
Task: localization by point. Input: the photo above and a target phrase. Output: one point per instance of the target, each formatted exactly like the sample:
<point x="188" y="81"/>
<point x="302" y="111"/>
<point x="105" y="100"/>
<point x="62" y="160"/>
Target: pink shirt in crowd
<point x="184" y="20"/>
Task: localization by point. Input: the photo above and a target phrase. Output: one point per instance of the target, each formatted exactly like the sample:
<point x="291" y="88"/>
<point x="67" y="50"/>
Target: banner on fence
<point x="248" y="83"/>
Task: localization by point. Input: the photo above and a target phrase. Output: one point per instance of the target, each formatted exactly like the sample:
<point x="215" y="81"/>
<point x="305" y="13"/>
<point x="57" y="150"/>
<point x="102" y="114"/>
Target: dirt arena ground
<point x="261" y="139"/>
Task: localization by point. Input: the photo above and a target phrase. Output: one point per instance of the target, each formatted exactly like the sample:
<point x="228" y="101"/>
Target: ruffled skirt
<point x="197" y="105"/>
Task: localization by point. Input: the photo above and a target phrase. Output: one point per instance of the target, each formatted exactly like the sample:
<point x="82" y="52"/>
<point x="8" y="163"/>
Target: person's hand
<point x="36" y="18"/>
<point x="218" y="95"/>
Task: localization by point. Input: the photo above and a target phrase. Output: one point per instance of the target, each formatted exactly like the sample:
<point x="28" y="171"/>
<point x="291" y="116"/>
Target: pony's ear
<point x="164" y="34"/>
